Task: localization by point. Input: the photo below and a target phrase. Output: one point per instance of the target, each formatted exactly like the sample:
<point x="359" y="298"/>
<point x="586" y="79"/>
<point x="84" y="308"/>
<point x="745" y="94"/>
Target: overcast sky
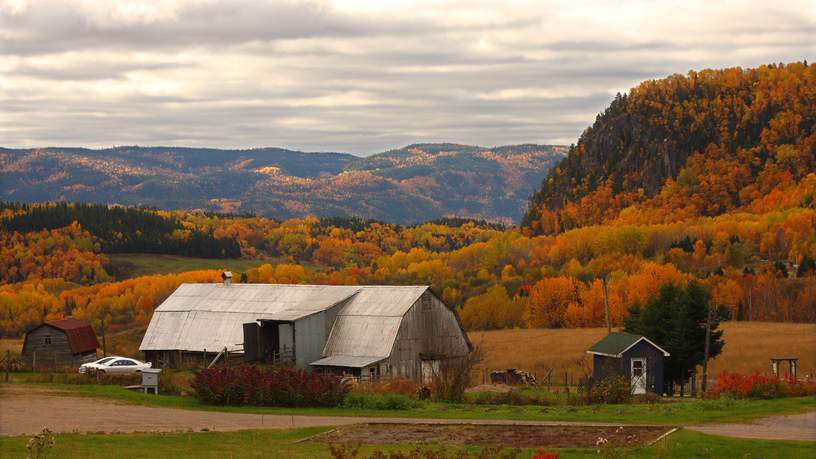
<point x="357" y="76"/>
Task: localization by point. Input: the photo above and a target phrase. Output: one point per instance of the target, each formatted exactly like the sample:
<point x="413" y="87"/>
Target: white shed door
<point x="639" y="376"/>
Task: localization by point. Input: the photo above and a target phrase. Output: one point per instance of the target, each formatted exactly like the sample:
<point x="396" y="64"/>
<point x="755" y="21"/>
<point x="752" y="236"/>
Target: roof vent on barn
<point x="227" y="277"/>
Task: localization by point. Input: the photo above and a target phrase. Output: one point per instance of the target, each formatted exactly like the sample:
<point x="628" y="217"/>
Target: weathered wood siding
<point x="429" y="329"/>
<point x="56" y="354"/>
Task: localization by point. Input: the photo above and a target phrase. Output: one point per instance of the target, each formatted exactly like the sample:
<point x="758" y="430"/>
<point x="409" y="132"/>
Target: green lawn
<point x="126" y="265"/>
<point x="669" y="412"/>
<point x="282" y="444"/>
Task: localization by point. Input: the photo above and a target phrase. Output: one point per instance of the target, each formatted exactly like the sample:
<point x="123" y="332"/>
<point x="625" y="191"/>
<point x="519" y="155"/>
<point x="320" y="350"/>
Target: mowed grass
<point x="125" y="265"/>
<point x="284" y="444"/>
<point x="748" y="348"/>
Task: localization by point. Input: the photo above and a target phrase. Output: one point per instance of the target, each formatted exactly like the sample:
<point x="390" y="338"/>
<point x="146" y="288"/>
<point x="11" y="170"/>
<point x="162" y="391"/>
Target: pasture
<point x="748" y="348"/>
<point x="127" y="265"/>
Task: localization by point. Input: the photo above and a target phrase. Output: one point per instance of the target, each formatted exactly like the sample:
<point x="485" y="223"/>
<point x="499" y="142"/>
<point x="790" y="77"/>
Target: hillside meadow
<point x="748" y="348"/>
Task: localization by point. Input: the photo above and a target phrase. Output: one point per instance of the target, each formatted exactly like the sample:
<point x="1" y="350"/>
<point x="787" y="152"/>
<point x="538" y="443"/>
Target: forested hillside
<point x="759" y="266"/>
<point x="729" y="202"/>
<point x="703" y="144"/>
<point x="408" y="185"/>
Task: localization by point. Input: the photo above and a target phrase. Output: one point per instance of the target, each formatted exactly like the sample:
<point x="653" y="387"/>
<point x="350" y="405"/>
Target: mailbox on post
<point x="150" y="379"/>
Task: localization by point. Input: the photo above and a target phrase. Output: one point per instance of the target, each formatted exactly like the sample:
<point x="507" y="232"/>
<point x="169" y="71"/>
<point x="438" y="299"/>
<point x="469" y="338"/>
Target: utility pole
<point x="707" y="350"/>
<point x="606" y="305"/>
<point x="104" y="344"/>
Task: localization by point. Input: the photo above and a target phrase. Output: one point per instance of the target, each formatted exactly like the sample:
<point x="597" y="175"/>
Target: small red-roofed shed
<point x="60" y="343"/>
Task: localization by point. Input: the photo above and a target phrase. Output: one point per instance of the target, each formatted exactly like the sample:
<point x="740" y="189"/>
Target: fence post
<point x="8" y="363"/>
<point x="34" y="361"/>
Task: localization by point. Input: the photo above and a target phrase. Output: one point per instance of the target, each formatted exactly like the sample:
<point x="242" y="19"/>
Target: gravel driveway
<point x="792" y="427"/>
<point x="25" y="410"/>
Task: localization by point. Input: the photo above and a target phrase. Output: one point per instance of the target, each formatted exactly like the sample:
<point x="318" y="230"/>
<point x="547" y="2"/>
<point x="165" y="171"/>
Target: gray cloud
<point x="329" y="76"/>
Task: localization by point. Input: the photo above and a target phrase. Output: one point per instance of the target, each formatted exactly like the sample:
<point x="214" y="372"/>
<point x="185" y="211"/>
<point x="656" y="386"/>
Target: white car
<point x="114" y="366"/>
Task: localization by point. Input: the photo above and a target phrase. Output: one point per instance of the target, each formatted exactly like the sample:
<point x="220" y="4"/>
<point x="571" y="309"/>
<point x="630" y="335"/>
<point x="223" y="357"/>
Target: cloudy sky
<point x="357" y="76"/>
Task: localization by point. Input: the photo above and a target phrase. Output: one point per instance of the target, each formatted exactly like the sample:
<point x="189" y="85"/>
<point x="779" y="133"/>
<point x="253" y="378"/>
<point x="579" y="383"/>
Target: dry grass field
<point x="748" y="348"/>
<point x="15" y="345"/>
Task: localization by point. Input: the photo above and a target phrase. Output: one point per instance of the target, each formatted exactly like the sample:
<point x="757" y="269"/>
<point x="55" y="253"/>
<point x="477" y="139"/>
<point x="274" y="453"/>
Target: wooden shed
<point x="60" y="343"/>
<point x="634" y="357"/>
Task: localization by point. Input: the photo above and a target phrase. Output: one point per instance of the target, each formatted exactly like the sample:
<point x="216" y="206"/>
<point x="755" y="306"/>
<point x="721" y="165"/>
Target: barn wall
<point x="428" y="328"/>
<point x="56" y="354"/>
<point x="310" y="338"/>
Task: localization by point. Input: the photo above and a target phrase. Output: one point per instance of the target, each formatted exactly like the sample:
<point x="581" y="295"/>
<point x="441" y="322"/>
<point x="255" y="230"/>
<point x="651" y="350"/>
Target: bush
<point x="453" y="377"/>
<point x="757" y="386"/>
<point x="379" y="401"/>
<point x="273" y="386"/>
<point x="614" y="389"/>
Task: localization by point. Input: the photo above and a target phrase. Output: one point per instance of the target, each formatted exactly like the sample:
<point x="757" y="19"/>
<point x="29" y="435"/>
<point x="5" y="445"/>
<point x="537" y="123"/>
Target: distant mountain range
<point x="412" y="184"/>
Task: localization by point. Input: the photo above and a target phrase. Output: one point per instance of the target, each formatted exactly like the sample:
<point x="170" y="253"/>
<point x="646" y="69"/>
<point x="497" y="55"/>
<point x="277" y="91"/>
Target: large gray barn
<point x="368" y="331"/>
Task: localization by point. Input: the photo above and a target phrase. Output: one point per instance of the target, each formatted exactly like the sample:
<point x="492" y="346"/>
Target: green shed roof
<point x="615" y="344"/>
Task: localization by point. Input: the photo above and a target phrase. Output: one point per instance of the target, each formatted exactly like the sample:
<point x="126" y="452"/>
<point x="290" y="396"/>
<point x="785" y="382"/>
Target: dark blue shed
<point x="634" y="357"/>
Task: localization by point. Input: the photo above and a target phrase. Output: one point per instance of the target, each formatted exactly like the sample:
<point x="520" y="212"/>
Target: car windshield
<point x="104" y="360"/>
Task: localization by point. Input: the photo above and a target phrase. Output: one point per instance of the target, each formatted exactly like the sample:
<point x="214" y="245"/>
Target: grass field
<point x="125" y="265"/>
<point x="748" y="348"/>
<point x="283" y="444"/>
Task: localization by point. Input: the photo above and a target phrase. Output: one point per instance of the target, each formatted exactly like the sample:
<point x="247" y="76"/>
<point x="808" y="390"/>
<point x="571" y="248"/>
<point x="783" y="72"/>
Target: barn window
<point x="47" y="339"/>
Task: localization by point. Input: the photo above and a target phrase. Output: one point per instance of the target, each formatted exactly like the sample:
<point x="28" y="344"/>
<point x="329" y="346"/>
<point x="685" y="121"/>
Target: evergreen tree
<point x="675" y="320"/>
<point x="807" y="266"/>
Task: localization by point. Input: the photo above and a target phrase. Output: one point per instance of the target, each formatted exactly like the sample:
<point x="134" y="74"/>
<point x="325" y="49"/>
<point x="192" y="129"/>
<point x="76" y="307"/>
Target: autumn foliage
<point x="708" y="177"/>
<point x="757" y="385"/>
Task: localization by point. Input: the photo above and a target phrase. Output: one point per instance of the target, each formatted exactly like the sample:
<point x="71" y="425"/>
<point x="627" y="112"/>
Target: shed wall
<point x="604" y="367"/>
<point x="56" y="354"/>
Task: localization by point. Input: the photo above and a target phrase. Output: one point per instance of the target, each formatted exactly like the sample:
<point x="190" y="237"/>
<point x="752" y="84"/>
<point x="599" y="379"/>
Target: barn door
<point x="639" y="376"/>
<point x="430" y="368"/>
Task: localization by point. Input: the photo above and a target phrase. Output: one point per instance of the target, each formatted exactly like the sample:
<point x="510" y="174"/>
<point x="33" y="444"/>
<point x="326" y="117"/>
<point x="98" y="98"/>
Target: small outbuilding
<point x="60" y="343"/>
<point x="634" y="357"/>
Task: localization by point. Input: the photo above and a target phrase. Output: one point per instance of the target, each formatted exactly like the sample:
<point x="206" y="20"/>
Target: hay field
<point x="748" y="348"/>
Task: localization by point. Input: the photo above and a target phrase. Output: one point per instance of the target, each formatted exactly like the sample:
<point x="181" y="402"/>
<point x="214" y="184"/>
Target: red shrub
<point x="760" y="386"/>
<point x="250" y="385"/>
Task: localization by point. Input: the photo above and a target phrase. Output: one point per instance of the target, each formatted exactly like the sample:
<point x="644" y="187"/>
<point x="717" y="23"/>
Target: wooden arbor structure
<point x="775" y="364"/>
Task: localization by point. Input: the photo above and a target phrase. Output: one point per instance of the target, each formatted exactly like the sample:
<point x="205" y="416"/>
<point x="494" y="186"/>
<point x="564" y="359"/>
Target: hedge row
<point x="273" y="386"/>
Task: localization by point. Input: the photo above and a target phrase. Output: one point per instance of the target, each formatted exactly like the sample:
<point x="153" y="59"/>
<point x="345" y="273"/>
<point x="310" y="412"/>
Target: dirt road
<point x="793" y="427"/>
<point x="25" y="410"/>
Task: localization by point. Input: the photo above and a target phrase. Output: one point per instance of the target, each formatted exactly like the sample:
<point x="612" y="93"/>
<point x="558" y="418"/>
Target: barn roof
<point x="211" y="316"/>
<point x="615" y="344"/>
<point x="81" y="336"/>
<point x="346" y="361"/>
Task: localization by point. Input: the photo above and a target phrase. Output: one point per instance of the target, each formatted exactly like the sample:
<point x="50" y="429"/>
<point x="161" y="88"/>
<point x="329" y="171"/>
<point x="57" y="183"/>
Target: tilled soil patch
<point x="524" y="436"/>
